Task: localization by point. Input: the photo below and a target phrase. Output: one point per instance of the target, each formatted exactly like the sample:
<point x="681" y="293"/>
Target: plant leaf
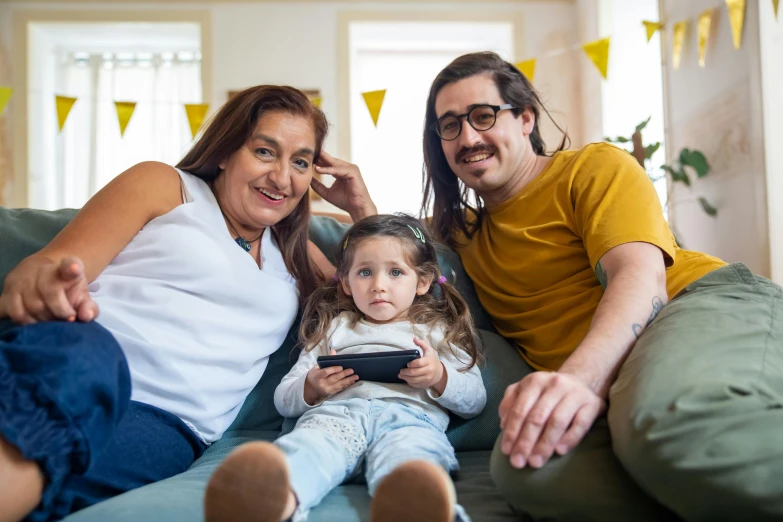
<point x="684" y="155"/>
<point x="668" y="169"/>
<point x="709" y="209"/>
<point x="698" y="162"/>
<point x="649" y="150"/>
<point x="622" y="139"/>
<point x="643" y="124"/>
<point x="677" y="175"/>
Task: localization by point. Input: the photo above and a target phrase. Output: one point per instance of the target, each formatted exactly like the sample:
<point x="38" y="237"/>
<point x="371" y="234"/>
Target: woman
<point x="197" y="273"/>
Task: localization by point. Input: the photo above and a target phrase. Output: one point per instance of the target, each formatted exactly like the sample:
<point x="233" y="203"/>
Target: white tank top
<point x="194" y="315"/>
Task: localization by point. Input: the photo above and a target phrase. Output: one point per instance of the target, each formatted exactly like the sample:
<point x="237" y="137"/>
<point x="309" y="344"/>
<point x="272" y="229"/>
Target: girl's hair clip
<point x="417" y="233"/>
<point x="335" y="277"/>
<point x="442" y="279"/>
<point x="345" y="243"/>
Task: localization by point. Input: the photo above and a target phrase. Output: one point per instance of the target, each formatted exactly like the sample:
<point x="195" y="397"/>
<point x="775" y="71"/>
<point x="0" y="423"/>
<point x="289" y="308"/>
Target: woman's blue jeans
<point x="65" y="403"/>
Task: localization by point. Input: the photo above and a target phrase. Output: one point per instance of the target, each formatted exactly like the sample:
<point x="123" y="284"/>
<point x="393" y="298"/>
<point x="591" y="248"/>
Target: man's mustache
<point x="475" y="149"/>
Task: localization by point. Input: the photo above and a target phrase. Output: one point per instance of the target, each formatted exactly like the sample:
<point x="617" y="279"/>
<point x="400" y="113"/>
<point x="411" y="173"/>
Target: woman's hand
<point x="427" y="371"/>
<point x="39" y="289"/>
<point x="348" y="191"/>
<point x="544" y="413"/>
<point x="321" y="383"/>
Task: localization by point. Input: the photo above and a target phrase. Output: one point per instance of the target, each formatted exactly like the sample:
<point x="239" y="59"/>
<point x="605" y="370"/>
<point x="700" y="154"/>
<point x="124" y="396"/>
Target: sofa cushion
<point x="180" y="498"/>
<point x="25" y="231"/>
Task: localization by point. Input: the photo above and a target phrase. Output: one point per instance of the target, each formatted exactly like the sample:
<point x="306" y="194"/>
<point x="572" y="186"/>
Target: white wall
<point x="772" y="82"/>
<point x="298" y="46"/>
<point x="296" y="43"/>
<point x="718" y="110"/>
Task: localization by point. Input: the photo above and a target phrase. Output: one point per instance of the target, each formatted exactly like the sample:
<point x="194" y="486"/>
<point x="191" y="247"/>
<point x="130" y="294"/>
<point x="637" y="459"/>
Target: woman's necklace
<point x="241" y="241"/>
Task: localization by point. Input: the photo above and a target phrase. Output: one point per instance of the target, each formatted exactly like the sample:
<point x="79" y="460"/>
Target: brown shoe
<point x="416" y="491"/>
<point x="251" y="485"/>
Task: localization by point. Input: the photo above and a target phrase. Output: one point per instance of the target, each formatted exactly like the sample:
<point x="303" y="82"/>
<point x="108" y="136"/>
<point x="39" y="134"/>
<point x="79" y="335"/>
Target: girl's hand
<point x="323" y="383"/>
<point x="348" y="191"/>
<point x="39" y="289"/>
<point x="427" y="371"/>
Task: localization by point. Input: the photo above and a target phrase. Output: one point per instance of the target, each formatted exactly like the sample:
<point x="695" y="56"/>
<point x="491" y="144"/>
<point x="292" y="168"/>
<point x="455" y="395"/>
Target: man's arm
<point x="634" y="276"/>
<point x="548" y="412"/>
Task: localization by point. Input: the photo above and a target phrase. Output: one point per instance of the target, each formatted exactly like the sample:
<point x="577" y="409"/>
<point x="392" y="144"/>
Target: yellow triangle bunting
<point x="775" y="5"/>
<point x="316" y="100"/>
<point x="678" y="40"/>
<point x="374" y="102"/>
<point x="5" y="95"/>
<point x="652" y="28"/>
<point x="737" y="19"/>
<point x="124" y="113"/>
<point x="528" y="68"/>
<point x="196" y="113"/>
<point x="598" y="52"/>
<point x="705" y="21"/>
<point x="64" y="105"/>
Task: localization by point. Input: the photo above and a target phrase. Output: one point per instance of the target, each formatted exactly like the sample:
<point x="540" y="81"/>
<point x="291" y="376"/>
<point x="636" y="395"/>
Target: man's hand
<point x="546" y="412"/>
<point x="427" y="371"/>
<point x="323" y="383"/>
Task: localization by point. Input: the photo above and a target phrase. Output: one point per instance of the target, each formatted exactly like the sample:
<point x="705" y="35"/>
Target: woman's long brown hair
<point x="229" y="129"/>
<point x="442" y="306"/>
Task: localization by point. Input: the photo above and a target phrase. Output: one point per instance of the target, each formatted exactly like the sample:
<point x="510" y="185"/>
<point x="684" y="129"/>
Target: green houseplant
<point x="688" y="160"/>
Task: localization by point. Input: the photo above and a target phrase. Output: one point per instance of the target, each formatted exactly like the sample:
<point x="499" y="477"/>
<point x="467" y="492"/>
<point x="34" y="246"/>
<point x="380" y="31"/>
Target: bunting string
<point x="597" y="51"/>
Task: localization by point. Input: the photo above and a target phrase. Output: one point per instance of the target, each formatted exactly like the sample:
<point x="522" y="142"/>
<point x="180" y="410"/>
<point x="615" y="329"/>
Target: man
<point x="572" y="258"/>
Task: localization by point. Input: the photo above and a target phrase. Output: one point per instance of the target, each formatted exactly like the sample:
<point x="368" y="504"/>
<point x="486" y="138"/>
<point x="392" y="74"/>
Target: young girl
<point x="387" y="294"/>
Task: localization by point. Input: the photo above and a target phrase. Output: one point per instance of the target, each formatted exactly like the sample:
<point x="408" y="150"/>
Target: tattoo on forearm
<point x="601" y="274"/>
<point x="657" y="306"/>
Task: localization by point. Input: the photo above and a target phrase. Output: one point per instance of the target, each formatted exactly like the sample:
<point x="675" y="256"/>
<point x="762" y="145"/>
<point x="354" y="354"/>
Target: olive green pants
<point x="694" y="429"/>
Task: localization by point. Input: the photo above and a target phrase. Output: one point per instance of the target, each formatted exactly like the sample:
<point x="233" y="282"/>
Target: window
<point x="633" y="90"/>
<point x="100" y="64"/>
<point x="404" y="59"/>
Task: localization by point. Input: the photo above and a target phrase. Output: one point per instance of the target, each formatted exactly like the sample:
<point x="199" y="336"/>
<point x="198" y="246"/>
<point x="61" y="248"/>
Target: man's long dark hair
<point x="454" y="208"/>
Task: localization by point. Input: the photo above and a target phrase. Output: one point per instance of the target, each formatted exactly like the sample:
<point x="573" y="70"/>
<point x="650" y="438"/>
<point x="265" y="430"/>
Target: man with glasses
<point x="632" y="411"/>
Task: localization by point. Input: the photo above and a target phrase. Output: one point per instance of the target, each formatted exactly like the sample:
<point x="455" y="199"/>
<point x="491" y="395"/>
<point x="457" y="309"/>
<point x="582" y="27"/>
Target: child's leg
<point x="322" y="451"/>
<point x="418" y="441"/>
<point x="407" y="469"/>
<point x="256" y="481"/>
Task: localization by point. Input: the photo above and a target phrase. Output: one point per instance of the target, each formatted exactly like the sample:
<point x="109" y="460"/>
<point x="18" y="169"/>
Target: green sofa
<point x="179" y="499"/>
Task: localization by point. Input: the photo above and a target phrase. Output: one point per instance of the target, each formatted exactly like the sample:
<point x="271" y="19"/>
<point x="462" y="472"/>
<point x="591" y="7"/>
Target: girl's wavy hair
<point x="455" y="208"/>
<point x="229" y="129"/>
<point x="441" y="306"/>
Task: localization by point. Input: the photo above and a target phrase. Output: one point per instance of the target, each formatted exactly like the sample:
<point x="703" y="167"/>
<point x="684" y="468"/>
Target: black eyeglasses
<point x="480" y="117"/>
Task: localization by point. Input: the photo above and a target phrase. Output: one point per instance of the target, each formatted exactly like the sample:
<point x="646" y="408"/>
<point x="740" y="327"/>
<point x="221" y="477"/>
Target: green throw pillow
<point x="25" y="231"/>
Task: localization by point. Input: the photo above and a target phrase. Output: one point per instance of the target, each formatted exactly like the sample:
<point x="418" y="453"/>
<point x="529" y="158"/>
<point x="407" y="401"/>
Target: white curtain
<point x="90" y="151"/>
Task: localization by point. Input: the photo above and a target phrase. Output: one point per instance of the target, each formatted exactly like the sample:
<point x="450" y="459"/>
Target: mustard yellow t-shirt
<point x="533" y="259"/>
